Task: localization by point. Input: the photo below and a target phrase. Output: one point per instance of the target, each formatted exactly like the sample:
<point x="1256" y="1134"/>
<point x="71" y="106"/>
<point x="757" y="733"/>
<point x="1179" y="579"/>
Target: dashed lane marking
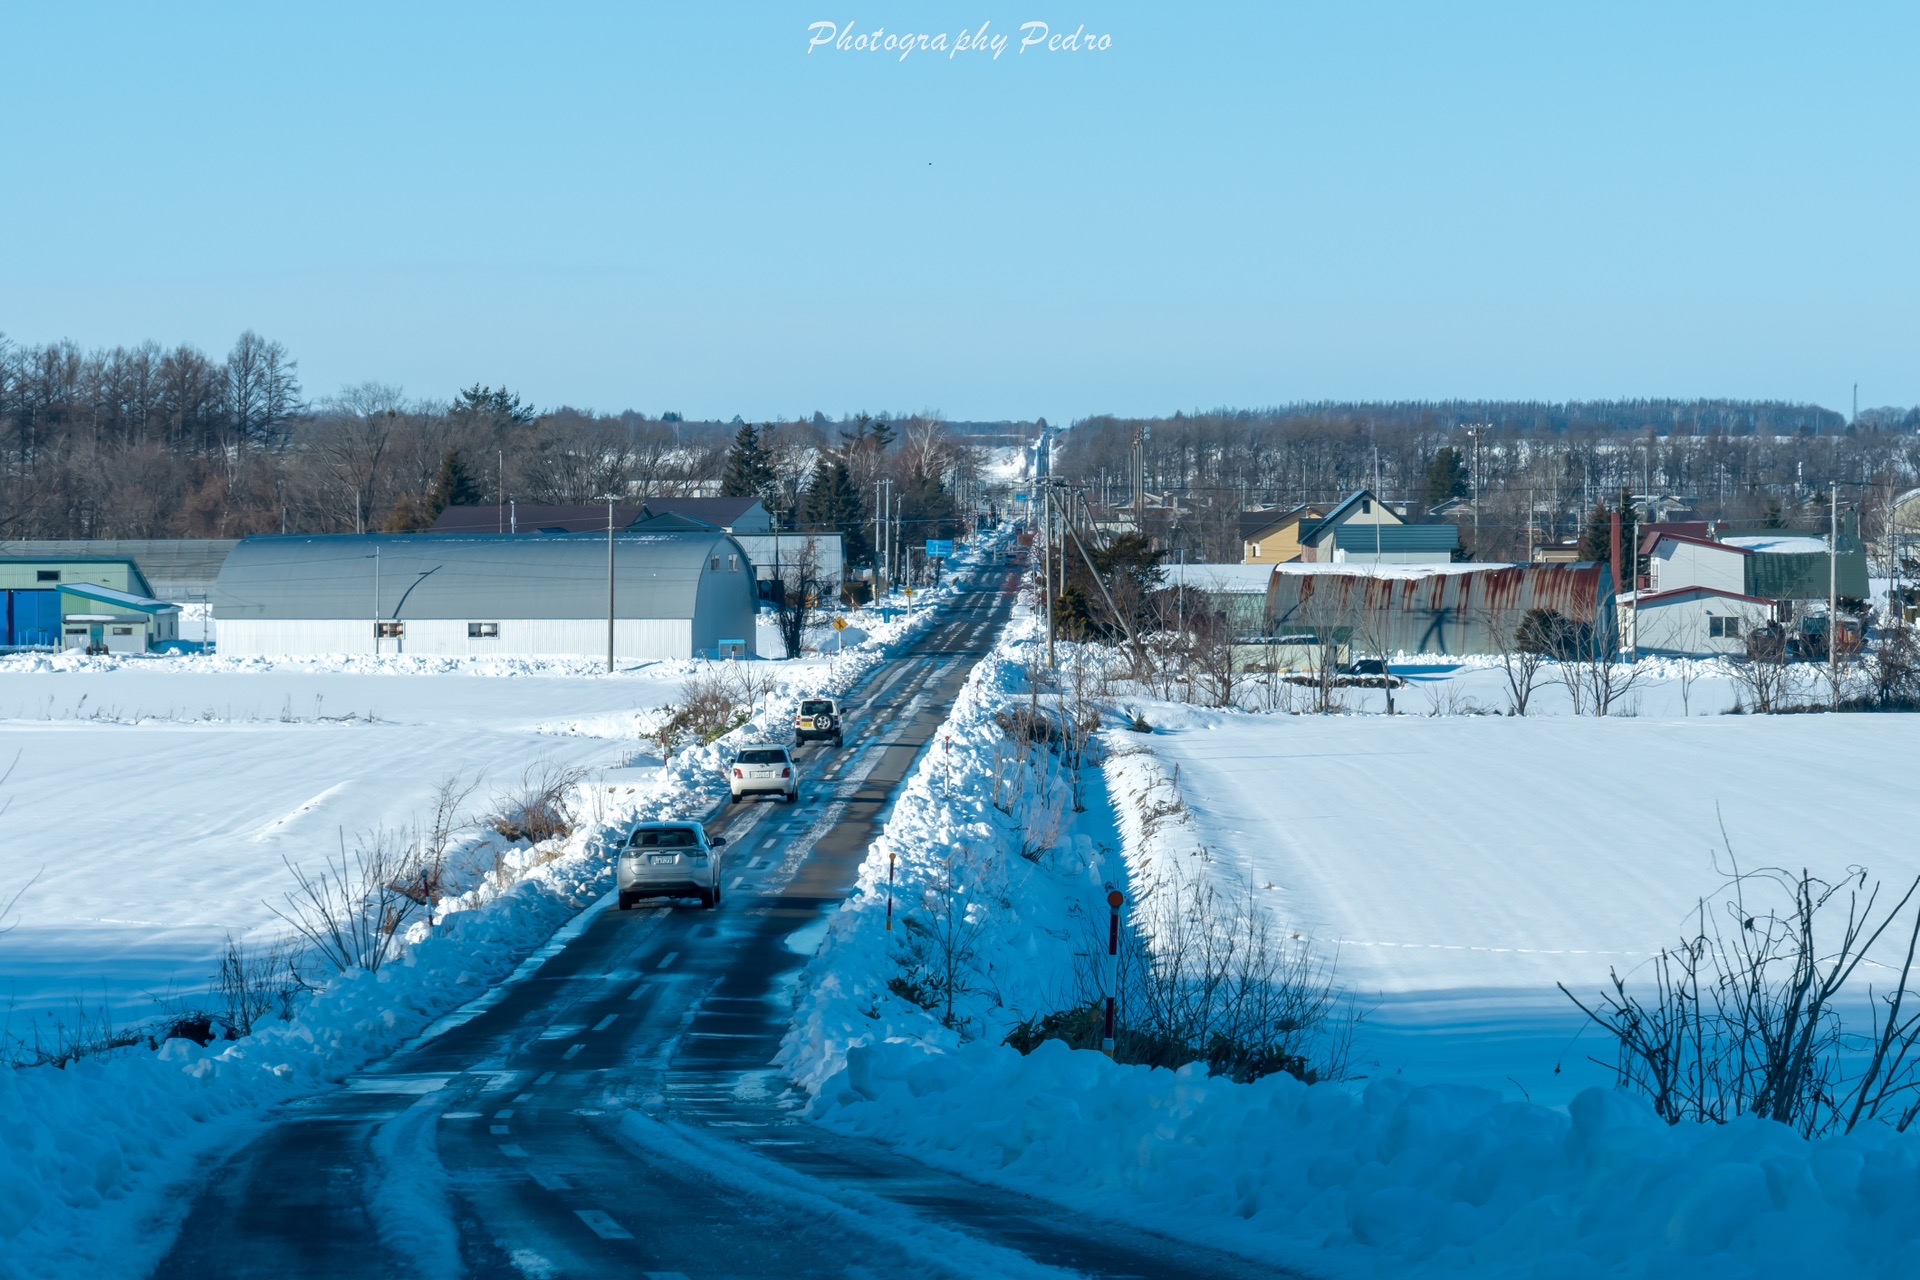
<point x="549" y="1181"/>
<point x="498" y="1130"/>
<point x="572" y="1050"/>
<point x="602" y="1225"/>
<point x="505" y="1113"/>
<point x="543" y="1078"/>
<point x="513" y="1150"/>
<point x="606" y="1022"/>
<point x="737" y="882"/>
<point x="667" y="959"/>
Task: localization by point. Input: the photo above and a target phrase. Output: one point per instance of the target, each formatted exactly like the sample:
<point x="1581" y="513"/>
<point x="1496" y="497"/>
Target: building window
<point x="1724" y="628"/>
<point x="392" y="630"/>
<point x="123" y="631"/>
<point x="714" y="564"/>
<point x="46" y="575"/>
<point x="483" y="631"/>
<point x="1256" y="552"/>
<point x="1366" y="506"/>
<point x="733" y="563"/>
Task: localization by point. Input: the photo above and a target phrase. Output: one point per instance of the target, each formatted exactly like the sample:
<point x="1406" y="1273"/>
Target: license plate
<point x="663" y="859"/>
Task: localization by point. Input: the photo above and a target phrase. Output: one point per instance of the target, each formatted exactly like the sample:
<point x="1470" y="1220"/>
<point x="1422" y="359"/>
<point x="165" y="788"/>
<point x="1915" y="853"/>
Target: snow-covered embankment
<point x="1363" y="1179"/>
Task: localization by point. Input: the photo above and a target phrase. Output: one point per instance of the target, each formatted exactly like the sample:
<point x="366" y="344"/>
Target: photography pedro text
<point x="983" y="41"/>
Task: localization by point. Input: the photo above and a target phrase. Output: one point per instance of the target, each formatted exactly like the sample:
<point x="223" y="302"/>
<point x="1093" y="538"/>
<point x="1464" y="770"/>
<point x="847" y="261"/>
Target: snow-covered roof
<point x="1675" y="595"/>
<point x="110" y="595"/>
<point x="1221" y="579"/>
<point x="1387" y="570"/>
<point x="1782" y="544"/>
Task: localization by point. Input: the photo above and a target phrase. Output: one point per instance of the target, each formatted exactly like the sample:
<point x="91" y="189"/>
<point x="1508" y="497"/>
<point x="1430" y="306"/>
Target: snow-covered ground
<point x="1460" y="864"/>
<point x="153" y="799"/>
<point x="90" y="1154"/>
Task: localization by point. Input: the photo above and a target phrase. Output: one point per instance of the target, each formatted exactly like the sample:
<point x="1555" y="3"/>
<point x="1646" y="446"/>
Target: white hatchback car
<point x="670" y="860"/>
<point x="764" y="770"/>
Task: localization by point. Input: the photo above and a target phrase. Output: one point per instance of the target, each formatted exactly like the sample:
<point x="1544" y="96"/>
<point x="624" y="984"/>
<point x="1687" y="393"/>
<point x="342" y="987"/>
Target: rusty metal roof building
<point x="1456" y="613"/>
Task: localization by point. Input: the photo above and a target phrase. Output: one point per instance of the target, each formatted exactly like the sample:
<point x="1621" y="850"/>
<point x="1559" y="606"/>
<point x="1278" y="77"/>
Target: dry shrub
<point x="1744" y="1017"/>
<point x="540" y="808"/>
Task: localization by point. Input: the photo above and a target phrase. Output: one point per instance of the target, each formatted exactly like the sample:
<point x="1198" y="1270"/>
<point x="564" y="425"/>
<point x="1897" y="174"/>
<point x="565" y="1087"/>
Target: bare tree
<point x="797" y="598"/>
<point x="1766" y="682"/>
<point x="1522" y="643"/>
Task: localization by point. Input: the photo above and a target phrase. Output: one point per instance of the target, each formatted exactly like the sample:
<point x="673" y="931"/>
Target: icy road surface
<point x="614" y="1111"/>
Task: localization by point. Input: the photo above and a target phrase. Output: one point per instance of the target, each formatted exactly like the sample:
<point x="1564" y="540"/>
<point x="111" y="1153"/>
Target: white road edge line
<point x="602" y="1225"/>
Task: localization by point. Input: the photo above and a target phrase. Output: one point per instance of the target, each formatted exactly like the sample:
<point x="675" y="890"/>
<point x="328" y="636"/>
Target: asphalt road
<point x="613" y="1111"/>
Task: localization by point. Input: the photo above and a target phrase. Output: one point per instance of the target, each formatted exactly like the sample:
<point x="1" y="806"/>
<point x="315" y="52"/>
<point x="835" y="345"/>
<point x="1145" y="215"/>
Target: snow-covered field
<point x="152" y="800"/>
<point x="92" y="1156"/>
<point x="1461" y="864"/>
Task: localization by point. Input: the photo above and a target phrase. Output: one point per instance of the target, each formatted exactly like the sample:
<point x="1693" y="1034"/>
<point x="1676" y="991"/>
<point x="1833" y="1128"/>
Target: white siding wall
<point x="1687" y="564"/>
<point x="1684" y="626"/>
<point x="634" y="638"/>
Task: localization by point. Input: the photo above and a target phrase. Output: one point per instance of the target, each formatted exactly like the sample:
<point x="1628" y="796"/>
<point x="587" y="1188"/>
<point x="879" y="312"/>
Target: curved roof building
<point x="675" y="595"/>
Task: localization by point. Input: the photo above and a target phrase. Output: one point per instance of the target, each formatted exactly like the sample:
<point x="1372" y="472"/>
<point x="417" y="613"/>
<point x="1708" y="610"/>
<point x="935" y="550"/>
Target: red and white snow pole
<point x="1115" y="900"/>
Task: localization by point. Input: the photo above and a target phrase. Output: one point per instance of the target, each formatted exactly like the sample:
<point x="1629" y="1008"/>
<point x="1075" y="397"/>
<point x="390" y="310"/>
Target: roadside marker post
<point x="889" y="891"/>
<point x="1115" y="900"/>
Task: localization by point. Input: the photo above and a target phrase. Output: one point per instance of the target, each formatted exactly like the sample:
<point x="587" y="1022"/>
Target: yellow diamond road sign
<point x="839" y="624"/>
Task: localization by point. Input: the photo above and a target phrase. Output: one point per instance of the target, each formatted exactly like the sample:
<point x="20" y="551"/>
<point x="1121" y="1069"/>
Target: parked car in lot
<point x="763" y="769"/>
<point x="819" y="719"/>
<point x="670" y="860"/>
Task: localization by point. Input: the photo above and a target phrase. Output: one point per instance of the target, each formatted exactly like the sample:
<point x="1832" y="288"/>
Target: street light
<point x="609" y="499"/>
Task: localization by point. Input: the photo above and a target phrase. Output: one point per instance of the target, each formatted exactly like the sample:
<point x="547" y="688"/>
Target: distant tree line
<point x="147" y="442"/>
<point x="1540" y="470"/>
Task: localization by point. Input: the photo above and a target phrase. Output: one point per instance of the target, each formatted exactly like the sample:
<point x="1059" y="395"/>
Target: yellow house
<point x="1273" y="537"/>
<point x="1306" y="532"/>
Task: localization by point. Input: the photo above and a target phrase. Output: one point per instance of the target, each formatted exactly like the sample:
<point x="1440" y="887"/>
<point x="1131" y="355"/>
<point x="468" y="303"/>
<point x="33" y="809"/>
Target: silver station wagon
<point x="670" y="860"/>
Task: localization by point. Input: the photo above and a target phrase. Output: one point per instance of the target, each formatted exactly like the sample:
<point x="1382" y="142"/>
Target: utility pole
<point x="1046" y="564"/>
<point x="1833" y="596"/>
<point x="376" y="600"/>
<point x="609" y="499"/>
<point x="1477" y="430"/>
<point x="500" y="492"/>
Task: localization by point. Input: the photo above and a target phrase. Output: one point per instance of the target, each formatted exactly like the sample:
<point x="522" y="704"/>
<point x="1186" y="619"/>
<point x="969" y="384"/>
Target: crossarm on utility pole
<point x="1125" y="624"/>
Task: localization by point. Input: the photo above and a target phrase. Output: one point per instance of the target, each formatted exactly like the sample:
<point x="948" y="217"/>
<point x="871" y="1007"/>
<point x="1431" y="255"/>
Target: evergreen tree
<point x="453" y="486"/>
<point x="1596" y="540"/>
<point x="927" y="510"/>
<point x="1446" y="477"/>
<point x="832" y="505"/>
<point x="488" y="405"/>
<point x="749" y="472"/>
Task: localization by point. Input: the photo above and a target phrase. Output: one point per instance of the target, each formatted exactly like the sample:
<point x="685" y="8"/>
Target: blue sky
<point x="683" y="208"/>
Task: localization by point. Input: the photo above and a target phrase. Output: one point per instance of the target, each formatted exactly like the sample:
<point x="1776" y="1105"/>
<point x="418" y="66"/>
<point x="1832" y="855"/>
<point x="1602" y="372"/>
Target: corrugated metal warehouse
<point x="676" y="595"/>
<point x="1464" y="611"/>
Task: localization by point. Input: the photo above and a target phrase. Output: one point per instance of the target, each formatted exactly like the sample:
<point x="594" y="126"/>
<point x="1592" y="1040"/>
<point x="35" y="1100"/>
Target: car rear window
<point x="816" y="708"/>
<point x="775" y="756"/>
<point x="669" y="839"/>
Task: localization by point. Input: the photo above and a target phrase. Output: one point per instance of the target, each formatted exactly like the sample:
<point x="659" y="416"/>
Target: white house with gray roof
<point x="675" y="595"/>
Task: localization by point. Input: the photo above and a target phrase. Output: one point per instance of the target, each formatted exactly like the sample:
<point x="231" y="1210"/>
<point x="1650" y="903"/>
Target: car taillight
<point x="738" y="774"/>
<point x="786" y="773"/>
